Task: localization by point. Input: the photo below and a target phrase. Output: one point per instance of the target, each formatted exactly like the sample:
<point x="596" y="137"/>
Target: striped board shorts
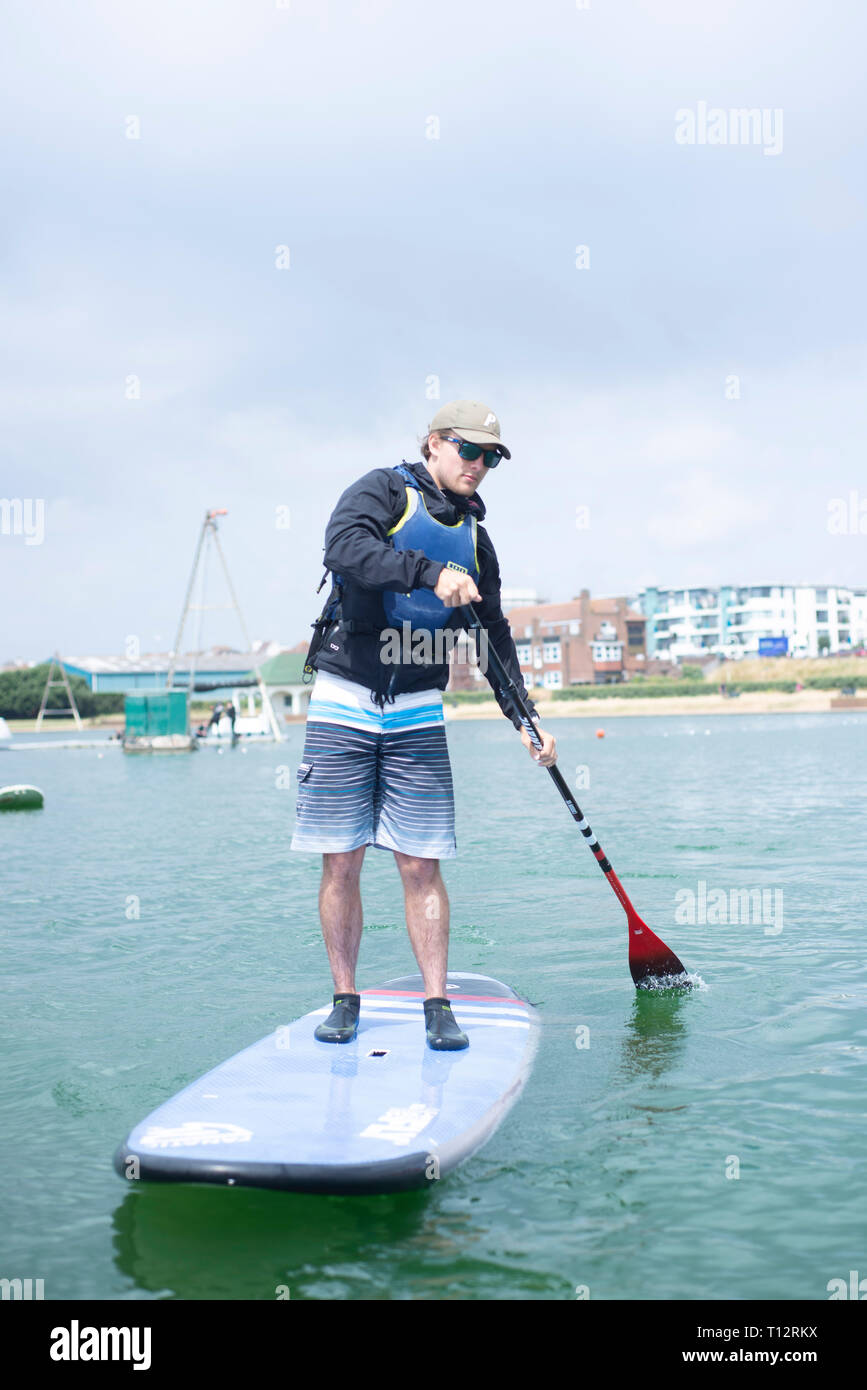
<point x="371" y="776"/>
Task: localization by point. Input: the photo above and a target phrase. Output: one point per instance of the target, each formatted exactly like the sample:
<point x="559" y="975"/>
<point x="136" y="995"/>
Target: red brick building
<point x="588" y="641"/>
<point x="464" y="673"/>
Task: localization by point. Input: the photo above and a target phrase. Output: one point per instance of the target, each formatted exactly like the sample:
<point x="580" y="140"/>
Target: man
<point x="405" y="547"/>
<point x="231" y="714"/>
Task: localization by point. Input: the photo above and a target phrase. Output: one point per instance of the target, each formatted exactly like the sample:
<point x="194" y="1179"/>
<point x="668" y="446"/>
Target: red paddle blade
<point x="650" y="960"/>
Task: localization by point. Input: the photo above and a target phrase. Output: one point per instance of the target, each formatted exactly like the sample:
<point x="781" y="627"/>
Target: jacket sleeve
<point x="356" y="537"/>
<point x="492" y="617"/>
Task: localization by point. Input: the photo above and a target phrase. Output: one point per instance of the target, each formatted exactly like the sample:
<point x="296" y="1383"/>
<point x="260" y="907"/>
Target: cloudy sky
<point x="694" y="376"/>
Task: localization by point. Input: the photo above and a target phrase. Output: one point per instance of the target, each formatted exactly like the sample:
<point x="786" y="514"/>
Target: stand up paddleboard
<point x="380" y="1114"/>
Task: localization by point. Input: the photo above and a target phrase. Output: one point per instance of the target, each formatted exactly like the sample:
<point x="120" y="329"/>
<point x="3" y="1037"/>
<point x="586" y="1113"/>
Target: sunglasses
<point x="470" y="452"/>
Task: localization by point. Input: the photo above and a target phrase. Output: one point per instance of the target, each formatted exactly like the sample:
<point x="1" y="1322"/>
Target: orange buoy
<point x="600" y="733"/>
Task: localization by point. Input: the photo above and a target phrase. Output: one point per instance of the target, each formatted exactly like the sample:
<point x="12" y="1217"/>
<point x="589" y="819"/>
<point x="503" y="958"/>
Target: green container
<point x="154" y="715"/>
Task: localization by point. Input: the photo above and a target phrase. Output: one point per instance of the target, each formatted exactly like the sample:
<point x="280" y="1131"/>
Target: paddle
<point x="649" y="958"/>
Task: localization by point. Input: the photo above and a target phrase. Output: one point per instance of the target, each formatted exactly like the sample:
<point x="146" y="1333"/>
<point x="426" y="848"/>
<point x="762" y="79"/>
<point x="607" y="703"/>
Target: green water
<point x="611" y="1173"/>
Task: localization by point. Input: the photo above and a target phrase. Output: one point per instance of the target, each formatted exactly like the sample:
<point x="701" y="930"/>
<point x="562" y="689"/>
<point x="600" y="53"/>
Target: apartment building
<point x="733" y="622"/>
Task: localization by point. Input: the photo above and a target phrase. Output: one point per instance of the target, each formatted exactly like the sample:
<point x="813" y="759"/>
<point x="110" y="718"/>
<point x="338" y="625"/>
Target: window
<point x="575" y="627"/>
<point x="552" y="679"/>
<point x="523" y="650"/>
<point x="607" y="651"/>
<point x="552" y="651"/>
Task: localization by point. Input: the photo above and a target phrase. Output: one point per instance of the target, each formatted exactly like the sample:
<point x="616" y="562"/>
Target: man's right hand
<point x="455" y="588"/>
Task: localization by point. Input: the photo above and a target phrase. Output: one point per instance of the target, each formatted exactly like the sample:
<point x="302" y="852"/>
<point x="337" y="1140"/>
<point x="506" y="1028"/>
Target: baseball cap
<point x="472" y="421"/>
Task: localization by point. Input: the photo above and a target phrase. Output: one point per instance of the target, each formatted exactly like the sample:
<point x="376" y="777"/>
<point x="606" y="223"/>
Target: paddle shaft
<point x="510" y="691"/>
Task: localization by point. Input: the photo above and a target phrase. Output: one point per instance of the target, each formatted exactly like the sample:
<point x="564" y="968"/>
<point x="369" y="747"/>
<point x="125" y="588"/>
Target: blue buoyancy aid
<point x="454" y="546"/>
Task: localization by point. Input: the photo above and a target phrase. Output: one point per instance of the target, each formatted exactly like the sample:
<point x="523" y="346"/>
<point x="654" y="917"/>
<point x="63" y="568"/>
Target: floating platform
<point x="159" y="743"/>
<point x="62" y="743"/>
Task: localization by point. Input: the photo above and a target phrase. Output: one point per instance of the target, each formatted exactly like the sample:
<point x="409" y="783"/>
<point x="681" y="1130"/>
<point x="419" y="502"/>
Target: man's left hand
<point x="548" y="755"/>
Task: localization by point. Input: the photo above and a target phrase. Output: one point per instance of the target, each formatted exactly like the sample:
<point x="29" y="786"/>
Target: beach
<point x="610" y="707"/>
<point x="750" y="702"/>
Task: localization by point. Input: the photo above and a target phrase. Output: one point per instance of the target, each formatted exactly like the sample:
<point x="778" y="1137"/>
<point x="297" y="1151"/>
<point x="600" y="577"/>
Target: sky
<point x="249" y="249"/>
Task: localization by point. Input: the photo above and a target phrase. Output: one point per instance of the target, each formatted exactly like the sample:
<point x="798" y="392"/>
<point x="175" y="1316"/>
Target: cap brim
<point x="484" y="437"/>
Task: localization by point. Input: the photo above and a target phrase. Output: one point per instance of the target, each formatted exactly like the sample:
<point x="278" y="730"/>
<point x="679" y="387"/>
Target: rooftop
<point x="217" y="659"/>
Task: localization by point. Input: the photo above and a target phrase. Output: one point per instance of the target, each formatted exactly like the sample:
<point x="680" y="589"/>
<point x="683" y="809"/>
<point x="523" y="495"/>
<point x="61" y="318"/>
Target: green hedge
<point x="834" y="682"/>
<point x="628" y="690"/>
<point x="467" y="697"/>
<point x="781" y="687"/>
<point x="21" y="694"/>
<point x="642" y="688"/>
<point x="636" y="690"/>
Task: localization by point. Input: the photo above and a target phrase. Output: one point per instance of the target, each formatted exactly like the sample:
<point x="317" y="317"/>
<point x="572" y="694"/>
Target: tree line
<point x="21" y="692"/>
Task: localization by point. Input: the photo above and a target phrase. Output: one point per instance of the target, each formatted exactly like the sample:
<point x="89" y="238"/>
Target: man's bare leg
<point x="340" y="913"/>
<point x="427" y="919"/>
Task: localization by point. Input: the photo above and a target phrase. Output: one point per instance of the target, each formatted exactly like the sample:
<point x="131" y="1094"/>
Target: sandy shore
<point x="109" y="722"/>
<point x="613" y="707"/>
<point x="750" y="702"/>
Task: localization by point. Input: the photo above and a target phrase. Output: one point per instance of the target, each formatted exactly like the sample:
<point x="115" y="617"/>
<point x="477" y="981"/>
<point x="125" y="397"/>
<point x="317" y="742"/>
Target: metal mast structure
<point x="64" y="680"/>
<point x="209" y="539"/>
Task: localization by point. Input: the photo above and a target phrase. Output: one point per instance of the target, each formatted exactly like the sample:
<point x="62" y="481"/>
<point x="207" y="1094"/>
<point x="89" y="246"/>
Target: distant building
<point x="221" y="666"/>
<point x="519" y="598"/>
<point x="287" y="691"/>
<point x="588" y="641"/>
<point x="222" y="672"/>
<point x="732" y="622"/>
<point x="149" y="671"/>
<point x="464" y="673"/>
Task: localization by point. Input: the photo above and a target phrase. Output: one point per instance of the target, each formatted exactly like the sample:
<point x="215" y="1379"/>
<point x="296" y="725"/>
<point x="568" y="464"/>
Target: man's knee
<point x="343" y="868"/>
<point x="416" y="872"/>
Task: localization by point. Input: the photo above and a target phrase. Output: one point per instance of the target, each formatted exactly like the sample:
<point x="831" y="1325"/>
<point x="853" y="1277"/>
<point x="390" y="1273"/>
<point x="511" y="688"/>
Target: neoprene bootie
<point x="443" y="1033"/>
<point x="341" y="1025"/>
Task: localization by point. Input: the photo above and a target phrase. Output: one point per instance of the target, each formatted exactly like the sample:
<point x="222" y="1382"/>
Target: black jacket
<point x="358" y="549"/>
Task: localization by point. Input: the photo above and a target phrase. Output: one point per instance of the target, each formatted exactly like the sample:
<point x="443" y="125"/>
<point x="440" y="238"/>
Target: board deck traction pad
<point x="380" y="1114"/>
